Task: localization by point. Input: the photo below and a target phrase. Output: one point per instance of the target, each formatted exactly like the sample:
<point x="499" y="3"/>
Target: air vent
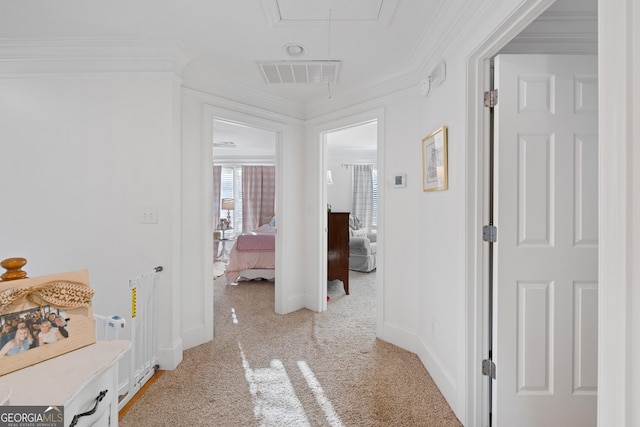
<point x="300" y="71"/>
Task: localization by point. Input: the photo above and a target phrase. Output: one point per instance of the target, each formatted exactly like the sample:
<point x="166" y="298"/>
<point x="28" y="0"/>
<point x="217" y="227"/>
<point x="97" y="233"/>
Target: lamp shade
<point x="228" y="204"/>
<point x="329" y="177"/>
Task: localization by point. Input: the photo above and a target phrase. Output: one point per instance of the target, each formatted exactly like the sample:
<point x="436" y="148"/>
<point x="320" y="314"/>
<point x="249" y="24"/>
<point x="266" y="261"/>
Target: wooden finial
<point x="14" y="269"/>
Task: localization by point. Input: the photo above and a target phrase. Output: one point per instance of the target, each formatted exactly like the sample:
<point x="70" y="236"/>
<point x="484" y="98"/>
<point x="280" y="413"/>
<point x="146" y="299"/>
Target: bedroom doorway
<point x="244" y="193"/>
<point x="347" y="144"/>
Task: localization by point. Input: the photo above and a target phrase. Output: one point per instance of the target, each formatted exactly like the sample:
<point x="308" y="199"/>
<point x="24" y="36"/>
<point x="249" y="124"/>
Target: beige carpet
<point x="300" y="369"/>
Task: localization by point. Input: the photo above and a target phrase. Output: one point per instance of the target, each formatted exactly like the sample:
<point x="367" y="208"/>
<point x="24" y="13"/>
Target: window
<point x="231" y="188"/>
<point x="374" y="175"/>
<point x="365" y="194"/>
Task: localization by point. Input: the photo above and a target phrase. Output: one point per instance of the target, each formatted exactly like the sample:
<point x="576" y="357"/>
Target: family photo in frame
<point x="44" y="317"/>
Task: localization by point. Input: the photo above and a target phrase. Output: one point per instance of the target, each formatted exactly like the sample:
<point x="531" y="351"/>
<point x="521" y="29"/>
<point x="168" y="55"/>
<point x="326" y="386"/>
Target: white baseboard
<point x="412" y="342"/>
<point x="194" y="337"/>
<point x="399" y="336"/>
<point x="294" y="303"/>
<point x="170" y="358"/>
<point x="440" y="374"/>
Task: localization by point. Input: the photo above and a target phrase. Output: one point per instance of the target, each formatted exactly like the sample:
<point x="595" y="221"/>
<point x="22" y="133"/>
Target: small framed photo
<point x="434" y="161"/>
<point x="44" y="317"/>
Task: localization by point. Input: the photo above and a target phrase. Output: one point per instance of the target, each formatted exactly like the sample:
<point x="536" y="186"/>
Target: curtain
<point x="363" y="194"/>
<point x="258" y="195"/>
<point x="217" y="174"/>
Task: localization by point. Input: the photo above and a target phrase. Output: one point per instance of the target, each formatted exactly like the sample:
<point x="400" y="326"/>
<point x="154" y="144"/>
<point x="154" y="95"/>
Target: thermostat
<point x="400" y="180"/>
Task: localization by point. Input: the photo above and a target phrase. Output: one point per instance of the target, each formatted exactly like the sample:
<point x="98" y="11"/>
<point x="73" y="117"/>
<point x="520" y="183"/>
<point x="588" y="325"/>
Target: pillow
<point x="354" y="222"/>
<point x="359" y="233"/>
<point x="266" y="228"/>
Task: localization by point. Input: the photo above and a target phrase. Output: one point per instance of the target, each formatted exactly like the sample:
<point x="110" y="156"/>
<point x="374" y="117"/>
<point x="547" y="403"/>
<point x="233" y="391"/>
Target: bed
<point x="253" y="256"/>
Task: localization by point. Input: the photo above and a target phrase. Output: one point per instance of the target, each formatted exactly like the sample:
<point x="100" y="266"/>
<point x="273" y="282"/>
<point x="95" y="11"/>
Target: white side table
<point x="222" y="249"/>
<point x="73" y="380"/>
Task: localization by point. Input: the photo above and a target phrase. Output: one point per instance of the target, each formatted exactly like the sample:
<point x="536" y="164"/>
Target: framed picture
<point x="434" y="161"/>
<point x="44" y="317"/>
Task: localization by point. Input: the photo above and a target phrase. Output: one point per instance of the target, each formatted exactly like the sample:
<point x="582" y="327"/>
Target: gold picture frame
<point x="434" y="161"/>
<point x="62" y="299"/>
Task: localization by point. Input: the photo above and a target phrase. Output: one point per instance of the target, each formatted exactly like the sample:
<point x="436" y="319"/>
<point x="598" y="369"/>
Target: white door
<point x="546" y="204"/>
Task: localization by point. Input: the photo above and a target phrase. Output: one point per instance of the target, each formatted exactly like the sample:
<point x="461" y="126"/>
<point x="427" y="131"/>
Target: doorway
<point x="244" y="124"/>
<point x="352" y="187"/>
<point x="544" y="337"/>
<point x="239" y="149"/>
<point x="356" y="139"/>
<point x="478" y="297"/>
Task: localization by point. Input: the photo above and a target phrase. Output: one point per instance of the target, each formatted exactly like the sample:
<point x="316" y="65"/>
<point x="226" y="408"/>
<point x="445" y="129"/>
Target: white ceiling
<point x="376" y="40"/>
<point x="379" y="42"/>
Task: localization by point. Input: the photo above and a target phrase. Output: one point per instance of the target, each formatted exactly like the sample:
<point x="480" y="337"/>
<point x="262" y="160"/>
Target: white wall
<point x="83" y="155"/>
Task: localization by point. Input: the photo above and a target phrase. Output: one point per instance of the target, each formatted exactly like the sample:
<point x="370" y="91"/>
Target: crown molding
<point x="349" y="98"/>
<point x="201" y="78"/>
<point x="587" y="16"/>
<point x="92" y="55"/>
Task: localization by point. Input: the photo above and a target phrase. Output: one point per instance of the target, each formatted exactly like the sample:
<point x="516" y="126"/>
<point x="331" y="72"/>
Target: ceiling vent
<point x="300" y="71"/>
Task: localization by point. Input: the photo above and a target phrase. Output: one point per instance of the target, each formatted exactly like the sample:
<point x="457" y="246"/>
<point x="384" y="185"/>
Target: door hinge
<point x="491" y="98"/>
<point x="489" y="368"/>
<point x="490" y="233"/>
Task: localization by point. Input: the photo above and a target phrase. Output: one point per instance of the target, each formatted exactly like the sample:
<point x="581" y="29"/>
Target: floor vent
<point x="300" y="71"/>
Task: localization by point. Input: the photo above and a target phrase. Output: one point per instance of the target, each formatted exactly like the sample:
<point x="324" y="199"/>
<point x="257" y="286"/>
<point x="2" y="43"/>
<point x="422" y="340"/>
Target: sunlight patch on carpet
<point x="274" y="399"/>
<point x="329" y="413"/>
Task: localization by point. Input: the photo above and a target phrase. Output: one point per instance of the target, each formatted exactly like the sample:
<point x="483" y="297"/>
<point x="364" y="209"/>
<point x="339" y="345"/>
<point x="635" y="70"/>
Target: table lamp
<point x="229" y="205"/>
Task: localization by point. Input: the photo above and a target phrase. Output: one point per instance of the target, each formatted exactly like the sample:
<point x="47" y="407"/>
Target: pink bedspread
<point x="247" y="260"/>
<point x="252" y="241"/>
<point x="253" y="249"/>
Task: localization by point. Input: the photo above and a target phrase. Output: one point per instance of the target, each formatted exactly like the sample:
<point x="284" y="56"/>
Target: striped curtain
<point x="258" y="195"/>
<point x="217" y="174"/>
<point x="363" y="194"/>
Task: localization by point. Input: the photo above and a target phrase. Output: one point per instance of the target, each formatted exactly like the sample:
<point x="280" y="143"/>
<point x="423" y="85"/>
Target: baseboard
<point x="139" y="394"/>
<point x="194" y="337"/>
<point x="170" y="358"/>
<point x="399" y="336"/>
<point x="294" y="303"/>
<point x="412" y="342"/>
<point x="441" y="375"/>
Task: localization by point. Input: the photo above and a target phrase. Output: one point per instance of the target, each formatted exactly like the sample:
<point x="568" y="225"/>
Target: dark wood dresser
<point x="338" y="248"/>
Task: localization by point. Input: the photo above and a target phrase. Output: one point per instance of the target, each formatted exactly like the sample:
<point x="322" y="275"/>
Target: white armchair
<point x="362" y="247"/>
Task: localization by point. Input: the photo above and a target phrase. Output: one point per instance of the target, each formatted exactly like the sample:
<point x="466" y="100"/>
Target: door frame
<point x="319" y="133"/>
<point x="211" y="113"/>
<point x="477" y="197"/>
